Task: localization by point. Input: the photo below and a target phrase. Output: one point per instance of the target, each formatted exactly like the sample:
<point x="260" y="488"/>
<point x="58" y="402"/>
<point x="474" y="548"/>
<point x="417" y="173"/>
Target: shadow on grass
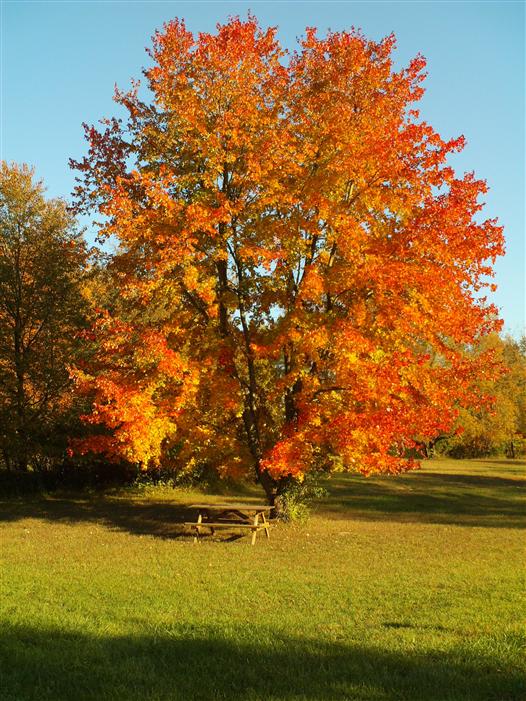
<point x="153" y="518"/>
<point x="510" y="464"/>
<point x="249" y="664"/>
<point x="461" y="499"/>
<point x="430" y="497"/>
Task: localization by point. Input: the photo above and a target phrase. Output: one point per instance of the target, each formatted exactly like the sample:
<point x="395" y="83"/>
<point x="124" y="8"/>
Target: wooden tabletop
<point x="232" y="507"/>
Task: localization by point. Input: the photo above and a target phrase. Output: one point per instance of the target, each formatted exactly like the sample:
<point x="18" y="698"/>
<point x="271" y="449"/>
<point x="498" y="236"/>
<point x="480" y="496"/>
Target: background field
<point x="396" y="588"/>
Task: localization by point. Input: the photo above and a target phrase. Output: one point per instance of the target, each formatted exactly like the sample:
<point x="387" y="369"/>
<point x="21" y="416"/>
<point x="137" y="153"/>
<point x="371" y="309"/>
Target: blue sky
<point x="60" y="61"/>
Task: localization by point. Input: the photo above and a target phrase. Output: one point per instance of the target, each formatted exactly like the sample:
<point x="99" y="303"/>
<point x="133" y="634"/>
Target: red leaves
<point x="297" y="263"/>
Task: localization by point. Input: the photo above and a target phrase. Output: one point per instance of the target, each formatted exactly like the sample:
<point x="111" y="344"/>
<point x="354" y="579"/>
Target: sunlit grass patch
<point x="404" y="588"/>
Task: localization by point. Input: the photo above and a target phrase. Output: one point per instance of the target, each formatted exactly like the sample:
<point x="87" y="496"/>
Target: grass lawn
<point x="396" y="588"/>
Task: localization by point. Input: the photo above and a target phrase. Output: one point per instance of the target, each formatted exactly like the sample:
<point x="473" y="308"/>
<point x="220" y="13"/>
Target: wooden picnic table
<point x="252" y="517"/>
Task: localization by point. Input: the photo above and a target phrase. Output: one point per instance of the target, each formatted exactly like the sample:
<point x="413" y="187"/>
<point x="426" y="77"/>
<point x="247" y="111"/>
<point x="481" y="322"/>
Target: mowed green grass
<point x="396" y="588"/>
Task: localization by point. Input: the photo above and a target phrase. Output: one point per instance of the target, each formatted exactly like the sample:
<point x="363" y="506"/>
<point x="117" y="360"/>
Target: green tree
<point x="42" y="257"/>
<point x="498" y="425"/>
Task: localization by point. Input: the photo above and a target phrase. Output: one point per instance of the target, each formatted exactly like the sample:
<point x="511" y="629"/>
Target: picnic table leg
<point x="267" y="530"/>
<point x="255" y="530"/>
<point x="197" y="531"/>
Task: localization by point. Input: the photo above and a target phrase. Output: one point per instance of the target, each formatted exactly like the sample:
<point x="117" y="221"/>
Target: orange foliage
<point x="299" y="267"/>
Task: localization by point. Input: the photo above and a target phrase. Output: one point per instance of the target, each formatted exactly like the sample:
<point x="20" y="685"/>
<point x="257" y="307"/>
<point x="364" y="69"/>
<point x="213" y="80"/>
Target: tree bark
<point x="222" y="287"/>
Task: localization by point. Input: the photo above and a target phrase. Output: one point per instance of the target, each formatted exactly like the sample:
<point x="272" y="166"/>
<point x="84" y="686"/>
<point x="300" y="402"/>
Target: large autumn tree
<point x="299" y="268"/>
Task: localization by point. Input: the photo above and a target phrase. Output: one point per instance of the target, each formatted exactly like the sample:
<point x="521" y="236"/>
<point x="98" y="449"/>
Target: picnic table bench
<point x="251" y="517"/>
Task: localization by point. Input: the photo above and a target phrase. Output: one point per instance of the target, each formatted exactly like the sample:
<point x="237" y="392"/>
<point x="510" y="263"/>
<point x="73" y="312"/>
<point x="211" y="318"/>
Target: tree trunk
<point x="280" y="502"/>
<point x="222" y="279"/>
<point x="275" y="491"/>
<point x="268" y="484"/>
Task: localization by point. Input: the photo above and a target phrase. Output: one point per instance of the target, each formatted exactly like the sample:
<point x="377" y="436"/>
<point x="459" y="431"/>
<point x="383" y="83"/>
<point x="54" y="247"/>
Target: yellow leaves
<point x="191" y="277"/>
<point x="350" y="357"/>
<point x="378" y="355"/>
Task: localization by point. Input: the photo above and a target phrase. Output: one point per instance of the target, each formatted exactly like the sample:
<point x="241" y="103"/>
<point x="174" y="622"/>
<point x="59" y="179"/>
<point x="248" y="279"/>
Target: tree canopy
<point x="42" y="256"/>
<point x="499" y="423"/>
<point x="299" y="269"/>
